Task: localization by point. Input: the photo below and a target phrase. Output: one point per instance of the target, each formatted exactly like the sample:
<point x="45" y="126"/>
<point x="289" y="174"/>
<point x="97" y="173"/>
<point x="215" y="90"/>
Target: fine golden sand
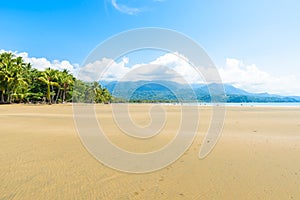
<point x="257" y="156"/>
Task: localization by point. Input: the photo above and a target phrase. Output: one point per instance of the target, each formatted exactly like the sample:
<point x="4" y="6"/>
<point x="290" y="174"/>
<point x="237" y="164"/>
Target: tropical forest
<point x="21" y="83"/>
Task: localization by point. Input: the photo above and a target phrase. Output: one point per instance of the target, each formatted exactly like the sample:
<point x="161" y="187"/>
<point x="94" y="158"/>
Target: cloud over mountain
<point x="251" y="78"/>
<point x="173" y="67"/>
<point x="235" y="72"/>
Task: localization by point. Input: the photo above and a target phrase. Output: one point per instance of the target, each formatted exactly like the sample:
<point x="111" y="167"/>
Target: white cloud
<point x="180" y="65"/>
<point x="173" y="67"/>
<point x="104" y="69"/>
<point x="43" y="63"/>
<point x="125" y="9"/>
<point x="252" y="79"/>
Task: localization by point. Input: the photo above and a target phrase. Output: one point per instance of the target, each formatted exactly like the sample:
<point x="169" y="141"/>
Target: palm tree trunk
<point x="64" y="95"/>
<point x="2" y="96"/>
<point x="48" y="94"/>
<point x="8" y="96"/>
<point x="13" y="91"/>
<point x="58" y="93"/>
<point x="52" y="96"/>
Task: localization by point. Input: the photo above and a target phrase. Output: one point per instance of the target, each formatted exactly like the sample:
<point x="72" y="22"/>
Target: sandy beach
<point x="257" y="156"/>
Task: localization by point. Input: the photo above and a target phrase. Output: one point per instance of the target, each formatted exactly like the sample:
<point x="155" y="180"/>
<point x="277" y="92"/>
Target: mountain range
<point x="168" y="91"/>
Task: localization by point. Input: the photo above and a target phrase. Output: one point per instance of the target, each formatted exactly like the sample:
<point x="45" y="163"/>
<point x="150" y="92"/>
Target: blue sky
<point x="263" y="33"/>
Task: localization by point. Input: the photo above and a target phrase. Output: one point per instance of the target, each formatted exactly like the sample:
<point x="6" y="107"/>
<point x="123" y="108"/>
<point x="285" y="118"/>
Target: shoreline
<point x="279" y="104"/>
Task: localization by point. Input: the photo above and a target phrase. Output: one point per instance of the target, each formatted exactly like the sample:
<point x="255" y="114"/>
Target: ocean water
<point x="265" y="104"/>
<point x="243" y="104"/>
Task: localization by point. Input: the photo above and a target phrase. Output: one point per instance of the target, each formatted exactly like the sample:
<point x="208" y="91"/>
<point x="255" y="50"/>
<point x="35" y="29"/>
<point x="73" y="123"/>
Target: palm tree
<point x="80" y="91"/>
<point x="48" y="77"/>
<point x="19" y="81"/>
<point x="67" y="81"/>
<point x="59" y="77"/>
<point x="37" y="88"/>
<point x="12" y="78"/>
<point x="99" y="94"/>
<point x="5" y="75"/>
<point x="106" y="96"/>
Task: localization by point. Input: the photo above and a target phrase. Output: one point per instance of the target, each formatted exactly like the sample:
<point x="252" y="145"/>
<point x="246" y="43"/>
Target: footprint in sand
<point x="161" y="179"/>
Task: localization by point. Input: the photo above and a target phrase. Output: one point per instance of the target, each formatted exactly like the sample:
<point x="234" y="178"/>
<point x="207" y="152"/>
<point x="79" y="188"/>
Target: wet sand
<point x="257" y="156"/>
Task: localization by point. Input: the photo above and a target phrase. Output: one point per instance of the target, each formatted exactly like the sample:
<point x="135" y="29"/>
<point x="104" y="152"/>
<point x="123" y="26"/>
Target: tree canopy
<point x="20" y="83"/>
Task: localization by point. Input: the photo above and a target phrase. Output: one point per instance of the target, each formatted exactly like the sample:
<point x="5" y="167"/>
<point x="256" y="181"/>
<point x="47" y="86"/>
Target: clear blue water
<point x="249" y="104"/>
<point x="265" y="104"/>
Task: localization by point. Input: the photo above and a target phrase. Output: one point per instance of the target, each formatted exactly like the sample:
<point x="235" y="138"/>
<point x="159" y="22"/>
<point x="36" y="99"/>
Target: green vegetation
<point x="20" y="83"/>
<point x="172" y="92"/>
